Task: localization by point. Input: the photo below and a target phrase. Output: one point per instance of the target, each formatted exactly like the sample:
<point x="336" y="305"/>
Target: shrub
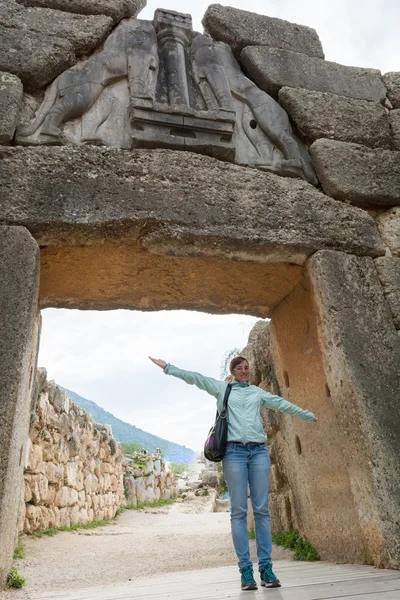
<point x="19" y="551"/>
<point x="15" y="579"/>
<point x="130" y="447"/>
<point x="180" y="468"/>
<point x="303" y="550"/>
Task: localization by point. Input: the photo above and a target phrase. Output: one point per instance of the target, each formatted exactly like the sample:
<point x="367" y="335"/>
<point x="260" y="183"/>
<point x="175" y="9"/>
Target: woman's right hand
<point x="159" y="362"/>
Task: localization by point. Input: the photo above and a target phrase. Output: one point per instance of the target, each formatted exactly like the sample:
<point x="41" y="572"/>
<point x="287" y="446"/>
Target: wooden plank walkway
<point x="300" y="581"/>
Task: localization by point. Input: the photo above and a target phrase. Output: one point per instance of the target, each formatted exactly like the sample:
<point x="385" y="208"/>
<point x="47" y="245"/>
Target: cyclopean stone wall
<point x="155" y="229"/>
<point x="148" y="479"/>
<point x="74" y="470"/>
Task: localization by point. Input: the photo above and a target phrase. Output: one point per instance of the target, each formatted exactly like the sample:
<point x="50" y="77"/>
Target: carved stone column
<point x="174" y="34"/>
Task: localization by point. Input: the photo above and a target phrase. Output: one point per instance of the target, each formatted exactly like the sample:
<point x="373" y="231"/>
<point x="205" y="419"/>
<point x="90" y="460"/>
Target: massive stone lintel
<point x="182" y="204"/>
<point x="19" y="322"/>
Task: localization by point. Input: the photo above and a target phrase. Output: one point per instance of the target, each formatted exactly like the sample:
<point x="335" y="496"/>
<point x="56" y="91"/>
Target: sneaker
<point x="268" y="577"/>
<point x="248" y="582"/>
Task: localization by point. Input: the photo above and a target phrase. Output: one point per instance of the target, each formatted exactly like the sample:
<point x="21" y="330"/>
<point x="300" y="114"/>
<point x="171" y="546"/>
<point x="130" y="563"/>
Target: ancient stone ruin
<point x="76" y="472"/>
<point x="145" y="165"/>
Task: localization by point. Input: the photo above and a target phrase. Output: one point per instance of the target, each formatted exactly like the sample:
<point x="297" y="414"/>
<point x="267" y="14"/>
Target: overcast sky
<point x="103" y="355"/>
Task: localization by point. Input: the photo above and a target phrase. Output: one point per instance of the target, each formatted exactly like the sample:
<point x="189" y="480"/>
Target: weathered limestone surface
<point x="37" y="44"/>
<point x="147" y="479"/>
<point x="272" y="69"/>
<point x="362" y="357"/>
<point x="389" y="227"/>
<point x="312" y="457"/>
<point x="389" y="275"/>
<point x="19" y="323"/>
<point x="392" y="83"/>
<point x="117" y="10"/>
<point x="394" y="120"/>
<point x="356" y="174"/>
<point x="74" y="471"/>
<point x="240" y="28"/>
<point x="321" y="115"/>
<point x="35" y="58"/>
<point x="176" y="203"/>
<point x="11" y="91"/>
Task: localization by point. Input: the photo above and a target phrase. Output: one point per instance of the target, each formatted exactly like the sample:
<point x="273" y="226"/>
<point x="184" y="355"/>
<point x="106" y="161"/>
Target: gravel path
<point x="136" y="544"/>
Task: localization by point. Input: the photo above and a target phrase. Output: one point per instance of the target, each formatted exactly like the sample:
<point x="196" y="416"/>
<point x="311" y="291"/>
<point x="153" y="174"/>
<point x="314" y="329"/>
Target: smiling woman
<point x="246" y="462"/>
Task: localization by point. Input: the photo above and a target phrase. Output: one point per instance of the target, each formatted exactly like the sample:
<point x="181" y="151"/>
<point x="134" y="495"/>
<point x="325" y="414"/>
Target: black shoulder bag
<point x="215" y="444"/>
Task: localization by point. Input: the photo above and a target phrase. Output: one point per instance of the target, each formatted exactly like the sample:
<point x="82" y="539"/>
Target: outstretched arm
<point x="278" y="403"/>
<point x="208" y="384"/>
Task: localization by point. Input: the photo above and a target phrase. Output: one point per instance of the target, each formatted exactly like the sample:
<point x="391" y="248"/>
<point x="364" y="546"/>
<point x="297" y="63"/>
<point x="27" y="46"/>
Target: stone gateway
<point x="148" y="166"/>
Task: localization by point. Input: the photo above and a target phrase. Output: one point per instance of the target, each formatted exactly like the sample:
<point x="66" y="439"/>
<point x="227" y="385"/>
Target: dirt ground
<point x="136" y="544"/>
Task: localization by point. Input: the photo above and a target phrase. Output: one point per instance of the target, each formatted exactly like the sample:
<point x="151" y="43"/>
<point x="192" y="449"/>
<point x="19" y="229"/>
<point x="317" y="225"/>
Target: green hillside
<point x="123" y="432"/>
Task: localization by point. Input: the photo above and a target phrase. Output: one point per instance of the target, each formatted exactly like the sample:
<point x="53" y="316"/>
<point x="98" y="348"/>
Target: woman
<point x="246" y="462"/>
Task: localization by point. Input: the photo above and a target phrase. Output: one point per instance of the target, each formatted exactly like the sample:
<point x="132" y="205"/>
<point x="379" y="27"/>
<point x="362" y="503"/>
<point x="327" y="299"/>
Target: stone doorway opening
<point x="324" y="483"/>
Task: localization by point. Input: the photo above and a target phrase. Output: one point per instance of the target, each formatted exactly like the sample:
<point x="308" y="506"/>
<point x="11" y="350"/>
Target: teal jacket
<point x="244" y="404"/>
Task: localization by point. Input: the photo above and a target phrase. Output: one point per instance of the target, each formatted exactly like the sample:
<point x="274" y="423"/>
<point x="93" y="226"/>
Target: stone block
<point x="91" y="483"/>
<point x="240" y="28"/>
<point x="361" y="351"/>
<point x="35" y="58"/>
<point x="34" y="457"/>
<point x="66" y="497"/>
<point x="105" y="194"/>
<point x="61" y="401"/>
<point x="394" y="120"/>
<point x="273" y="69"/>
<point x="321" y="115"/>
<point x="37" y="44"/>
<point x="389" y="275"/>
<point x="11" y="91"/>
<point x="39" y="488"/>
<point x="117" y="10"/>
<point x="392" y="84"/>
<point x="356" y="174"/>
<point x="19" y="291"/>
<point x="84" y="32"/>
<point x="389" y="227"/>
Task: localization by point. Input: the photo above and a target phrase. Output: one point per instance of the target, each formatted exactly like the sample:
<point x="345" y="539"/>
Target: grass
<point x="141" y="505"/>
<point x="252" y="533"/>
<point x="15" y="579"/>
<point x="93" y="524"/>
<point x="19" y="551"/>
<point x="53" y="530"/>
<point x="303" y="550"/>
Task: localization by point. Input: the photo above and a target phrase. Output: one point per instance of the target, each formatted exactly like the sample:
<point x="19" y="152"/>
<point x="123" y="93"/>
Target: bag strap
<point x="225" y="404"/>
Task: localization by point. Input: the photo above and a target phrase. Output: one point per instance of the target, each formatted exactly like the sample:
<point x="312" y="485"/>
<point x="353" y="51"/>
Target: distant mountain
<point x="123" y="432"/>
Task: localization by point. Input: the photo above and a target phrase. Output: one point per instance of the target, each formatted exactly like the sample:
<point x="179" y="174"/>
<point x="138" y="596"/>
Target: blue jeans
<point x="249" y="465"/>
